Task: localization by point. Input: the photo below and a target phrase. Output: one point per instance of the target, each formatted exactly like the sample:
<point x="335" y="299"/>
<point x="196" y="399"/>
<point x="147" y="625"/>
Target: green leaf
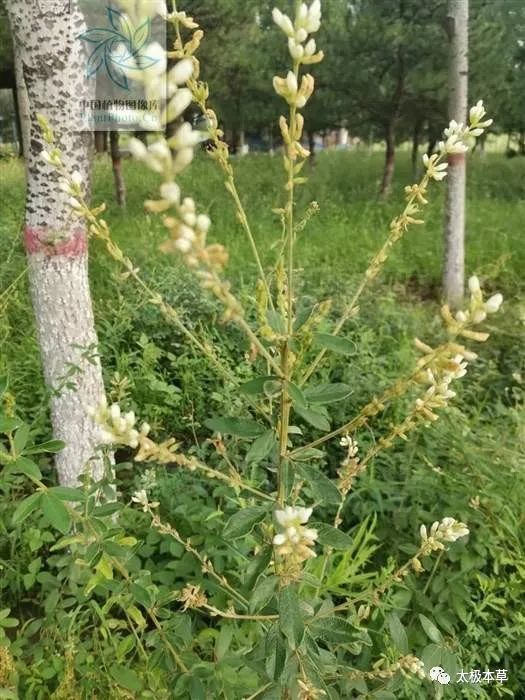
<point x="25" y="508"/>
<point x="275" y="653"/>
<point x="67" y="542"/>
<point x="56" y="512"/>
<point x="21" y="437"/>
<point x="261" y="447"/>
<point x="327" y="393"/>
<point x="290" y="616"/>
<point x="397" y="632"/>
<point x="7" y="425"/>
<point x="430" y="628"/>
<point x="342" y="346"/>
<point x="276" y="322"/>
<point x="26" y="466"/>
<point x="243" y="522"/>
<point x="296" y="395"/>
<point x="49" y="446"/>
<point x="3" y="385"/>
<point x="333" y="629"/>
<point x="332" y="537"/>
<point x="66" y="493"/>
<point x="322" y="488"/>
<point x="6" y="694"/>
<point x="223" y="641"/>
<point x="256" y="386"/>
<point x="318" y="420"/>
<point x="309" y="454"/>
<point x="263" y="593"/>
<point x="240" y="427"/>
<point x="257" y="566"/>
<point x="126" y="677"/>
<point x="432" y="656"/>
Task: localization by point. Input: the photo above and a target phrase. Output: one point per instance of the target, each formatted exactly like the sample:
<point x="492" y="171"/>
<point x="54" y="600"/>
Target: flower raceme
<point x="456" y="139"/>
<point x="289" y="89"/>
<point x="448" y="530"/>
<point x="295" y="541"/>
<point x="117" y="428"/>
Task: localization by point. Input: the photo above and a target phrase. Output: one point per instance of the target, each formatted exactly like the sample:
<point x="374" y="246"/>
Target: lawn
<point x="469" y="466"/>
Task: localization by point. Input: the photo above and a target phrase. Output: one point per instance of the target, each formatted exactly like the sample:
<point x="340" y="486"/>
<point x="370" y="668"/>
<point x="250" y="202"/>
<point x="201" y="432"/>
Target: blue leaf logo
<point x="117" y="49"/>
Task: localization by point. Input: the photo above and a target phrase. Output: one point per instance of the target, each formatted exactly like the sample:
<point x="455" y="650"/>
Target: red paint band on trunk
<point x="43" y="240"/>
<point x="456" y="158"/>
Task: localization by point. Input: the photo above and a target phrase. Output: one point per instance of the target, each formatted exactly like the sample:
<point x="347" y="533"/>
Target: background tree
<point x="55" y="241"/>
<point x="383" y="51"/>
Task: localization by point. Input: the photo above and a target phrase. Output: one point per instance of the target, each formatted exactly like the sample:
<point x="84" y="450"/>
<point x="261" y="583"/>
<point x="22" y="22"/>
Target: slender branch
<point x="373" y="269"/>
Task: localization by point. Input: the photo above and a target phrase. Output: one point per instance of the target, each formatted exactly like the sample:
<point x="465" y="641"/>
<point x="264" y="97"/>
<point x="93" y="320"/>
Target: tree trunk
<point x="416" y="137"/>
<point x="56" y="241"/>
<point x="311" y="145"/>
<point x="116" y="160"/>
<point x="101" y="141"/>
<point x="390" y="155"/>
<point x="22" y="107"/>
<point x="454" y="267"/>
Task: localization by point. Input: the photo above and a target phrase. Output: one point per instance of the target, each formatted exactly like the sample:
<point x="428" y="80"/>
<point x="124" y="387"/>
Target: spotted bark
<point x="454" y="267"/>
<point x="53" y="63"/>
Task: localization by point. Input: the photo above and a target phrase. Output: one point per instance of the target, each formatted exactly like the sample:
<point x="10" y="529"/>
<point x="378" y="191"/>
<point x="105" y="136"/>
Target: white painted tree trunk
<point x="22" y="100"/>
<point x="454" y="238"/>
<point x="53" y="62"/>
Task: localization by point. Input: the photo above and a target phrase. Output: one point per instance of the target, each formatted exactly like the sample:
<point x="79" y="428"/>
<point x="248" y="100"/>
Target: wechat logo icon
<point x="439" y="675"/>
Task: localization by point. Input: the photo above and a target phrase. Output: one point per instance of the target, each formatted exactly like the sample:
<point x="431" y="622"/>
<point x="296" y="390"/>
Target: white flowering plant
<point x="288" y="628"/>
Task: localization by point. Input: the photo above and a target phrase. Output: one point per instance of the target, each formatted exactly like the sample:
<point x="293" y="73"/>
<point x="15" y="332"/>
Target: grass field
<point x="469" y="466"/>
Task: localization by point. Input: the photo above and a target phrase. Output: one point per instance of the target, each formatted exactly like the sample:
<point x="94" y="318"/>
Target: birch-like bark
<point x="22" y="105"/>
<point x="53" y="62"/>
<point x="454" y="238"/>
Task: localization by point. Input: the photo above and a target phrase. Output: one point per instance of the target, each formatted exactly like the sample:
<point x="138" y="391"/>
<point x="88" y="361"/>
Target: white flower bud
<point x="181" y="72"/>
<point x="473" y="285"/>
<point x="492" y="305"/>
<point x="47" y="158"/>
<point x="310" y="48"/>
<point x="178" y="104"/>
<point x="301" y="35"/>
<point x="114" y="411"/>
<point x="283" y="22"/>
<point x="170" y="191"/>
<point x="296" y="50"/>
<point x="187" y="233"/>
<point x="183" y="245"/>
<point x="183" y="159"/>
<point x="313" y="23"/>
<point x="478" y="316"/>
<point x="477" y="112"/>
<point x="203" y="223"/>
<point x="291" y="82"/>
<point x="74" y="204"/>
<point x="137" y="149"/>
<point x="160" y="150"/>
<point x="76" y="178"/>
<point x="156" y="52"/>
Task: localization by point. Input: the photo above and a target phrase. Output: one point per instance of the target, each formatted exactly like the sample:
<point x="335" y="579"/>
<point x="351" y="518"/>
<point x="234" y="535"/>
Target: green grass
<point x="335" y="248"/>
<point x="475" y="450"/>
